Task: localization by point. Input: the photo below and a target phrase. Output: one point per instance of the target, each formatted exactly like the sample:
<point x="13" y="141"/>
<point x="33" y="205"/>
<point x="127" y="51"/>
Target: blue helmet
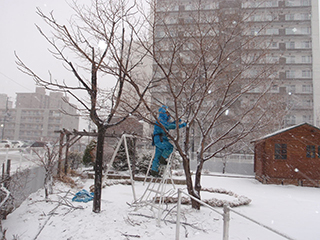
<point x="163" y="116"/>
<point x="163" y="109"/>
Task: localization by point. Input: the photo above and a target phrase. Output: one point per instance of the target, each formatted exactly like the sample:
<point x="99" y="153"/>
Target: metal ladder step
<point x="156" y="189"/>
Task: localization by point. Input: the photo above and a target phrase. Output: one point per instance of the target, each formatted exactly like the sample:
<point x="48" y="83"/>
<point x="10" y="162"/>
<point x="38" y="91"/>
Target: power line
<point x="15" y="81"/>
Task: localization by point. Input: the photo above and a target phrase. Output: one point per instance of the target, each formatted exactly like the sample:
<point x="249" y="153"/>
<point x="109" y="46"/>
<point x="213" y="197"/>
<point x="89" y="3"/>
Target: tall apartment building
<point x="291" y="30"/>
<point x="4" y="101"/>
<point x="36" y="116"/>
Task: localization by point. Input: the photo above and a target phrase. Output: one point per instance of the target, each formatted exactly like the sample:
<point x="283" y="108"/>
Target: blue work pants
<point x="163" y="149"/>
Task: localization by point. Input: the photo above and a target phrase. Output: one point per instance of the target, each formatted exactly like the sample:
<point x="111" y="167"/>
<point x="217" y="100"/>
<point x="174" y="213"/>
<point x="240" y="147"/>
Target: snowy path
<point x="292" y="210"/>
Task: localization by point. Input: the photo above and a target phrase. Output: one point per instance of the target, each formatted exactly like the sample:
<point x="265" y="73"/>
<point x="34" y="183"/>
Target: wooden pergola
<point x="71" y="137"/>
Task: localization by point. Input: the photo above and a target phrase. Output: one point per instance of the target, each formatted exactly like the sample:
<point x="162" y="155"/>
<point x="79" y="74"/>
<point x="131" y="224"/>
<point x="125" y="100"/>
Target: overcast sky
<point x="18" y="33"/>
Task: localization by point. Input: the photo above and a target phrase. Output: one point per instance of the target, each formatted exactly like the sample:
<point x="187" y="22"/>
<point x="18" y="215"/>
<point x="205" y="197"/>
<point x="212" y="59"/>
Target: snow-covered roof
<point x="281" y="131"/>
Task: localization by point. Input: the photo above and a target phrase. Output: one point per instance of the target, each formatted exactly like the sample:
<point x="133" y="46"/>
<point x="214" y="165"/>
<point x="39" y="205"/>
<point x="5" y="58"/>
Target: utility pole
<point x="3" y="125"/>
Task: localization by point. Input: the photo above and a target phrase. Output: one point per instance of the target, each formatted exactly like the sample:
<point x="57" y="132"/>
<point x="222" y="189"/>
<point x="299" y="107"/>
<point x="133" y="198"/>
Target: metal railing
<point x="225" y="215"/>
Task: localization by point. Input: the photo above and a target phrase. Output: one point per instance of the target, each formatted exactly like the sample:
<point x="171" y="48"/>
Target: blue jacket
<point x="164" y="118"/>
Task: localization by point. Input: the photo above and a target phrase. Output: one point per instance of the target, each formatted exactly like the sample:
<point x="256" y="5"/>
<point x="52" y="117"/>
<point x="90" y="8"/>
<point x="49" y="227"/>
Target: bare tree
<point x="47" y="158"/>
<point x="214" y="70"/>
<point x="95" y="46"/>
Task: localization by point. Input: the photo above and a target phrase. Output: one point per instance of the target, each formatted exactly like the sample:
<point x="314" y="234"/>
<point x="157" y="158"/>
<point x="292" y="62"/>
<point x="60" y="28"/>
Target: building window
<point x="174" y="8"/>
<point x="189" y="20"/>
<point x="250" y="4"/>
<point x="188" y="7"/>
<point x="305" y="30"/>
<point x="274" y="45"/>
<point x="305" y="2"/>
<point x="290" y="45"/>
<point x="290" y="3"/>
<point x="307" y="103"/>
<point x="308" y="119"/>
<point x="255" y="18"/>
<point x="295" y="3"/>
<point x="306" y="44"/>
<point x="290" y="31"/>
<point x="311" y="151"/>
<point x="289" y="17"/>
<point x="280" y="151"/>
<point x="274" y="89"/>
<point x="305" y="16"/>
<point x="291" y="89"/>
<point x="254" y="31"/>
<point x="306" y="88"/>
<point x="272" y="59"/>
<point x="306" y="59"/>
<point x="269" y="18"/>
<point x="272" y="31"/>
<point x="290" y="74"/>
<point x="306" y="73"/>
<point x="160" y="34"/>
<point x="290" y="59"/>
<point x="290" y="119"/>
<point x="272" y="3"/>
<point x="205" y="6"/>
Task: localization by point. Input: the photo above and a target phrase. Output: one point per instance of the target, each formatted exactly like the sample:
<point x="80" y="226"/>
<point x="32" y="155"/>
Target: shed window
<point x="280" y="151"/>
<point x="311" y="151"/>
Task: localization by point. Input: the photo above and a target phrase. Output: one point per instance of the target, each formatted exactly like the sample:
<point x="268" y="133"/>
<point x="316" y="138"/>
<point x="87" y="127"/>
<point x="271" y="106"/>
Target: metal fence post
<point x="7" y="154"/>
<point x="178" y="214"/>
<point x="226" y="219"/>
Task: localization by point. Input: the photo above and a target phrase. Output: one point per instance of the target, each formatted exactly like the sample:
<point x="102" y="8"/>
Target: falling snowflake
<point x="102" y="45"/>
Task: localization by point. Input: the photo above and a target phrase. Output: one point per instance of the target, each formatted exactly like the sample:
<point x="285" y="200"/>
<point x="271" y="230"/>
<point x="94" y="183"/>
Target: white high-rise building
<point x="291" y="28"/>
<point x="37" y="116"/>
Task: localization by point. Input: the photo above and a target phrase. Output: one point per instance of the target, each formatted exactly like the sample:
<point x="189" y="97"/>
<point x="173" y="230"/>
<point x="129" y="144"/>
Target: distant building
<point x="289" y="156"/>
<point x="5" y="101"/>
<point x="142" y="74"/>
<point x="36" y="116"/>
<point x="292" y="33"/>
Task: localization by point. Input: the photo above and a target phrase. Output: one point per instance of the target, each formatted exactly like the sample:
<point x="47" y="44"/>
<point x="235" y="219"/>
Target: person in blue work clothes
<point x="163" y="147"/>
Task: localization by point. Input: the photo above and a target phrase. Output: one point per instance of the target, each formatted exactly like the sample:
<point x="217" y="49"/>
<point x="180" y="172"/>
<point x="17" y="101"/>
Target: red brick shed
<point x="289" y="156"/>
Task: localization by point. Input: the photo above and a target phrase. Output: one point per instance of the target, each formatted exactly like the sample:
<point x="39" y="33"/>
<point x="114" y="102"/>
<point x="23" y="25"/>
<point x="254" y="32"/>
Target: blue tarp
<point x="83" y="196"/>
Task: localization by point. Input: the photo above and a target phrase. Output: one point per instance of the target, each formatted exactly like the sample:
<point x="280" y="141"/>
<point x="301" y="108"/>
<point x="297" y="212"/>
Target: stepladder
<point x="157" y="190"/>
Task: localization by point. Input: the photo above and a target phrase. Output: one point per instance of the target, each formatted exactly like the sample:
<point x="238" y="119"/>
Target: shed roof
<point x="282" y="131"/>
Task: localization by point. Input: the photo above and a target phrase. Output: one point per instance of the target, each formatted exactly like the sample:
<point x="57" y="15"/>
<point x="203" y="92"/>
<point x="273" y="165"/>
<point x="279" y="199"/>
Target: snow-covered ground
<point x="292" y="210"/>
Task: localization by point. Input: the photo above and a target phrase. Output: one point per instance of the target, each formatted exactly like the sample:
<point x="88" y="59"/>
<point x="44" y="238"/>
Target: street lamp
<point x="2" y="130"/>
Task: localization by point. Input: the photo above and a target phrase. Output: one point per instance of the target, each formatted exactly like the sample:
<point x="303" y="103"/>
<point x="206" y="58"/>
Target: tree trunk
<point x="197" y="181"/>
<point x="60" y="153"/>
<point x="67" y="153"/>
<point x="134" y="156"/>
<point x="186" y="166"/>
<point x="224" y="165"/>
<point x="98" y="170"/>
<point x="48" y="184"/>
